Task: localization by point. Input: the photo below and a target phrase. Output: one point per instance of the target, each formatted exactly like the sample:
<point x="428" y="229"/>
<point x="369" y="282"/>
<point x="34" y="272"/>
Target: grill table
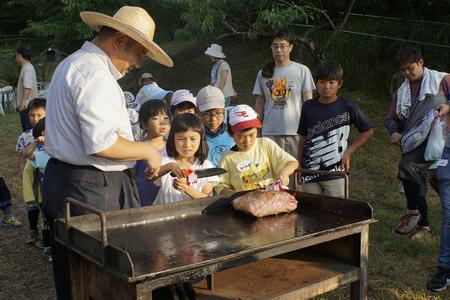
<point x="127" y="254"/>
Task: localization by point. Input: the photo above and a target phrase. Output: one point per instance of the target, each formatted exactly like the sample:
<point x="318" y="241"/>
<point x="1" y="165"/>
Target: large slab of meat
<point x="265" y="203"/>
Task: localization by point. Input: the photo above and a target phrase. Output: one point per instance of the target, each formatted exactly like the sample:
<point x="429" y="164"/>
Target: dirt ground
<point x="23" y="273"/>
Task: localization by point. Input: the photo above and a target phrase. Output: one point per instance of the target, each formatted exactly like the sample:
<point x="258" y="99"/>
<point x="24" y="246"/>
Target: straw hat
<point x="133" y="21"/>
<point x="215" y="51"/>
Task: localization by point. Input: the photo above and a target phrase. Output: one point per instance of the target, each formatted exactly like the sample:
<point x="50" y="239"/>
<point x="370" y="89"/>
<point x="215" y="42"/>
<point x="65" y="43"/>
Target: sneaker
<point x="40" y="244"/>
<point x="421" y="233"/>
<point x="11" y="221"/>
<point x="47" y="254"/>
<point x="34" y="237"/>
<point x="440" y="281"/>
<point x="407" y="223"/>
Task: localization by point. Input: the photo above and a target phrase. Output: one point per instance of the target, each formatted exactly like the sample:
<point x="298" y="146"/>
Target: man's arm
<point x="301" y="148"/>
<point x="125" y="150"/>
<point x="259" y="106"/>
<point x="307" y="95"/>
<point x="26" y="95"/>
<point x="392" y="123"/>
<point x="359" y="142"/>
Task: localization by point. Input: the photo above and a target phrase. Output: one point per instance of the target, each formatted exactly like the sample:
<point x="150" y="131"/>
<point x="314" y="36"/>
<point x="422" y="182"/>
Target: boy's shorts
<point x="333" y="188"/>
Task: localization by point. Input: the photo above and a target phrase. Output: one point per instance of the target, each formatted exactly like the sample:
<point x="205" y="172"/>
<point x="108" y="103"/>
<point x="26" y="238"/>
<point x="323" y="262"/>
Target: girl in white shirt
<point x="187" y="150"/>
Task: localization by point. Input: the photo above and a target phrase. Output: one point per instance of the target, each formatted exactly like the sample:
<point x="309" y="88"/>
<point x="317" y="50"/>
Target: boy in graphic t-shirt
<point x="324" y="130"/>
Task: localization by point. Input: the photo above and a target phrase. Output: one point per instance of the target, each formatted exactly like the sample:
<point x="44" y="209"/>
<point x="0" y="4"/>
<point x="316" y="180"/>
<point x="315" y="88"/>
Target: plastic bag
<point x="436" y="141"/>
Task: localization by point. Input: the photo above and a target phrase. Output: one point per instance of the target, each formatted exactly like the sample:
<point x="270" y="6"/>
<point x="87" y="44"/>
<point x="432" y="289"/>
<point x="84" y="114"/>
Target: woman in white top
<point x="221" y="72"/>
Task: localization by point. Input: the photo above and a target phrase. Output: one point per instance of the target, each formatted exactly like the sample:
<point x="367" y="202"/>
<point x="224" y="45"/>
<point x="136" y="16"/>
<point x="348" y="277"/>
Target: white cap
<point x="183" y="96"/>
<point x="210" y="97"/>
<point x="243" y="117"/>
<point x="151" y="91"/>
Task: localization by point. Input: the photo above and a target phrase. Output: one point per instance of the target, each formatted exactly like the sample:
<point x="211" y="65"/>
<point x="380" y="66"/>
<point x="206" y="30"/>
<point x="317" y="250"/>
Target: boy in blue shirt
<point x="324" y="130"/>
<point x="211" y="107"/>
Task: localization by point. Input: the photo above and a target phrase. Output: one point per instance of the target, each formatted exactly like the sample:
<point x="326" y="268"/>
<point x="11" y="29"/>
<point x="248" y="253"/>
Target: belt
<point x="64" y="164"/>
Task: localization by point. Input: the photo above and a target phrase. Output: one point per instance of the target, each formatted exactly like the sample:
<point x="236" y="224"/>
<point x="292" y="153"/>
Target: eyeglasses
<point x="210" y="115"/>
<point x="281" y="47"/>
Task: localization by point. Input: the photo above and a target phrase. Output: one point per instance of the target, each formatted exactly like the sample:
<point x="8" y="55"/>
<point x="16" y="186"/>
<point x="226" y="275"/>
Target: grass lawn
<point x="398" y="268"/>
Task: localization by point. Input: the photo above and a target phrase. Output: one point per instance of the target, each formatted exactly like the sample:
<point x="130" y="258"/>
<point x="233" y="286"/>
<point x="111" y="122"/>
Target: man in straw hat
<point x="88" y="133"/>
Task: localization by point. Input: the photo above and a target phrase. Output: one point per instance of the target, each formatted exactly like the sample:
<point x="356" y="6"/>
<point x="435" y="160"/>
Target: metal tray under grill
<point x="162" y="240"/>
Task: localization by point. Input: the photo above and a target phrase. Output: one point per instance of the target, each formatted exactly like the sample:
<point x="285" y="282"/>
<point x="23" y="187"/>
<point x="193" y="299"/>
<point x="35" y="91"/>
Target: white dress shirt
<point x="86" y="111"/>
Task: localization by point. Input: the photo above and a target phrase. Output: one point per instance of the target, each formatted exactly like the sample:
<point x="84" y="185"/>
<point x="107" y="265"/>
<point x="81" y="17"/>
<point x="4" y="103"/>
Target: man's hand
<point x="154" y="163"/>
<point x="443" y="109"/>
<point x="395" y="138"/>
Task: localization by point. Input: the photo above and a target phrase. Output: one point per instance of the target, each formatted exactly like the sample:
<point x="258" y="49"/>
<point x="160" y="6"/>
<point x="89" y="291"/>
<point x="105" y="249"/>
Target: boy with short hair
<point x="254" y="162"/>
<point x="182" y="102"/>
<point x="36" y="111"/>
<point x="211" y="108"/>
<point x="31" y="192"/>
<point x="324" y="129"/>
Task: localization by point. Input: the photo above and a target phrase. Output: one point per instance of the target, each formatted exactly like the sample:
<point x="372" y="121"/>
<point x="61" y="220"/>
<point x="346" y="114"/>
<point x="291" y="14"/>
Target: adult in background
<point x="146" y="78"/>
<point x="221" y="72"/>
<point x="88" y="132"/>
<point x="281" y="87"/>
<point x="26" y="85"/>
<point x="420" y="92"/>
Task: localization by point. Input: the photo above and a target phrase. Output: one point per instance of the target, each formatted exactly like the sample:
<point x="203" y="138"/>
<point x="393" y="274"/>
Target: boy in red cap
<point x="254" y="162"/>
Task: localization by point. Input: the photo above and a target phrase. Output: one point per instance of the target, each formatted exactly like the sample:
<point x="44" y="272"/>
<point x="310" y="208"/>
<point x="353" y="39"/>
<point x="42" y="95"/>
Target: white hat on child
<point x="183" y="96"/>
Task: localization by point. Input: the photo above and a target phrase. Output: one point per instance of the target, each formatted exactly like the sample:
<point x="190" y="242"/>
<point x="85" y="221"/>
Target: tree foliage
<point x="252" y="19"/>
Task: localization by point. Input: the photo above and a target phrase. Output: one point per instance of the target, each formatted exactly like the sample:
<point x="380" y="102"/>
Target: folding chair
<point x="130" y="100"/>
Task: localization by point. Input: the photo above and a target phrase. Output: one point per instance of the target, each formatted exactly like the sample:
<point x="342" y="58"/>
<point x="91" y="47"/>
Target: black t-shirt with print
<point x="326" y="127"/>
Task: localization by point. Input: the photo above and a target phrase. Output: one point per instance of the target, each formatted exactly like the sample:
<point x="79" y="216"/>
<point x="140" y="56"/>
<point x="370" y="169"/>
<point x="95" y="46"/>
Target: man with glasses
<point x="281" y="87"/>
<point x="211" y="107"/>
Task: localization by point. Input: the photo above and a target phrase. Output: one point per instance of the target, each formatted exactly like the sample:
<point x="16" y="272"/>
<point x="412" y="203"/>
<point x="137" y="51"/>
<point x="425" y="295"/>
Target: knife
<point x="202" y="173"/>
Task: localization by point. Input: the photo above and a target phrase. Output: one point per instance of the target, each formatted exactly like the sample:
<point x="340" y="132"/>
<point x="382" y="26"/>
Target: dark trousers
<point x="415" y="176"/>
<point x="106" y="191"/>
<point x="24" y="120"/>
<point x="5" y="194"/>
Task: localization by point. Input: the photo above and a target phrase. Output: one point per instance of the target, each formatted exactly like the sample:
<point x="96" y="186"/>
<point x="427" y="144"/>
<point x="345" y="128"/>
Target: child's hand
<point x="180" y="184"/>
<point x="40" y="140"/>
<point x="346" y="161"/>
<point x="284" y="179"/>
<point x="177" y="170"/>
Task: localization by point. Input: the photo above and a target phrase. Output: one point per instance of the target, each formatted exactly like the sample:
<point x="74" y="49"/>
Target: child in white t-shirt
<point x="187" y="150"/>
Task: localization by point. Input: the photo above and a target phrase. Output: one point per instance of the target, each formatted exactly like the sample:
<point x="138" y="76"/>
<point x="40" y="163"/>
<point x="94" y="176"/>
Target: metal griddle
<point x="158" y="242"/>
